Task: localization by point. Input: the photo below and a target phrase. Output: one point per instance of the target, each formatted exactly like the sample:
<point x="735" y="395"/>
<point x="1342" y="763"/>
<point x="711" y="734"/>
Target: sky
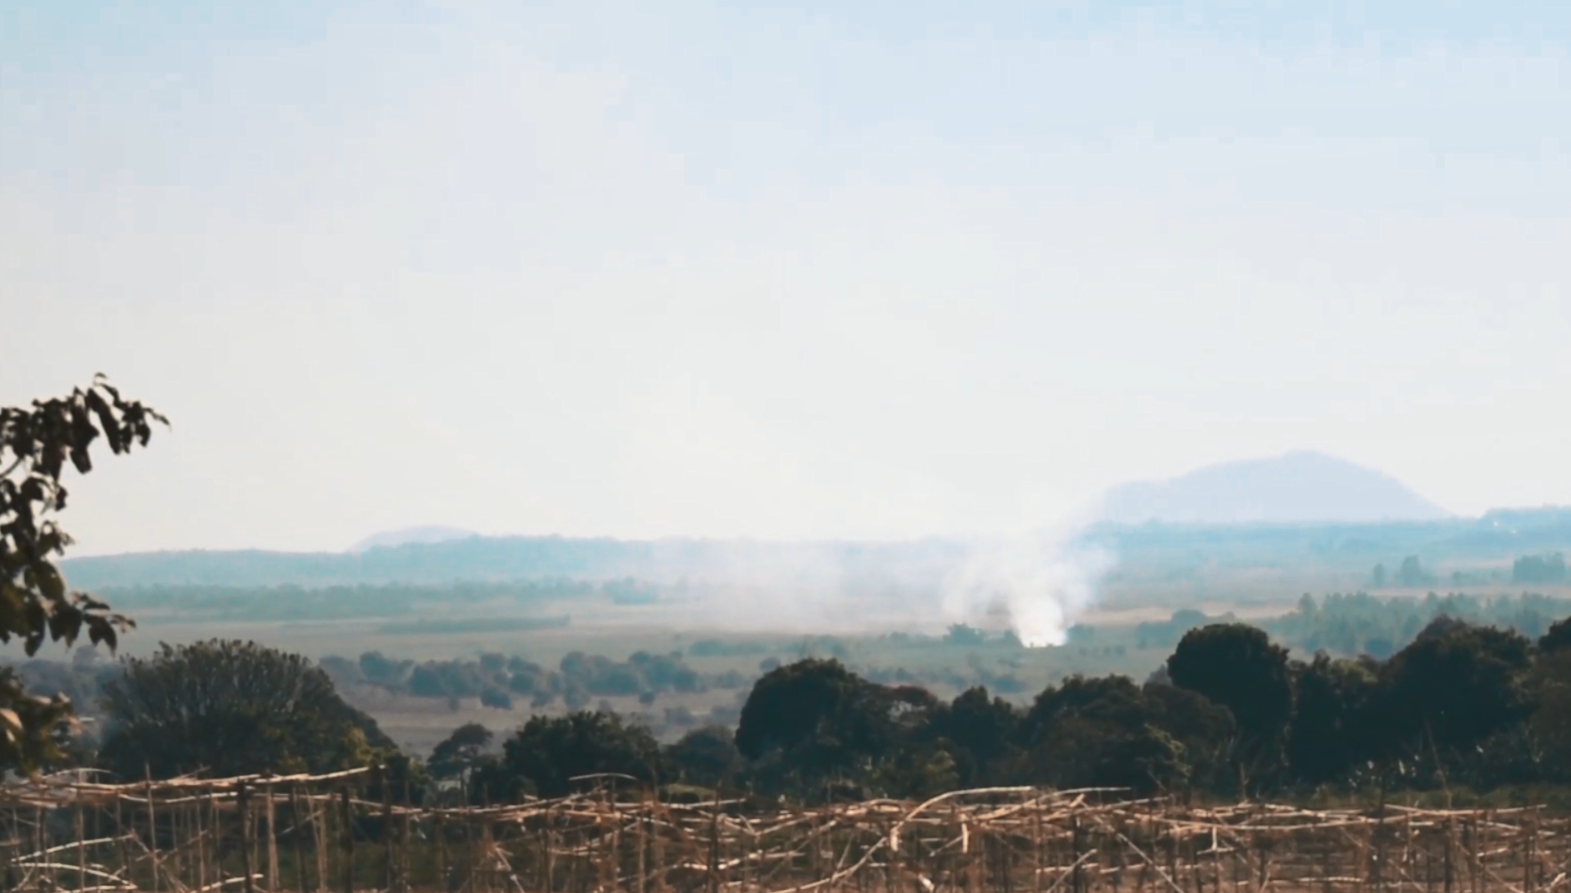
<point x="866" y="270"/>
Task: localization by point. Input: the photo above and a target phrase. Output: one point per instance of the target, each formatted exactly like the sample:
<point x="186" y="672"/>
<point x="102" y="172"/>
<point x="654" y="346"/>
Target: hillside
<point x="408" y="535"/>
<point x="1495" y="538"/>
<point x="1296" y="487"/>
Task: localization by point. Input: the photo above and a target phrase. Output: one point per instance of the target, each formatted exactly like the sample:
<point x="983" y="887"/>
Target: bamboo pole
<point x="152" y="831"/>
<point x="270" y="819"/>
<point x="439" y="831"/>
<point x="348" y="840"/>
<point x="81" y="849"/>
<point x="319" y="840"/>
<point x="297" y="839"/>
<point x="120" y="834"/>
<point x="243" y="804"/>
<point x="390" y="869"/>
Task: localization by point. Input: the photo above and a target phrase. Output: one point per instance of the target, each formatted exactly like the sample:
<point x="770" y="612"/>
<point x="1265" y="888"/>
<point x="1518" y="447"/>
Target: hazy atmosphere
<point x="875" y="271"/>
<point x="675" y="447"/>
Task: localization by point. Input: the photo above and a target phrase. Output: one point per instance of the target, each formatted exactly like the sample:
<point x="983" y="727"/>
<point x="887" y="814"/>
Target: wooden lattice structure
<point x="323" y="834"/>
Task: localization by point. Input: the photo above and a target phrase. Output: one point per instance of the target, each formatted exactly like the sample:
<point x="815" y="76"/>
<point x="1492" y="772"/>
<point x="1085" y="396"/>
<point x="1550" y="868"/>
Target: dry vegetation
<point x="335" y="832"/>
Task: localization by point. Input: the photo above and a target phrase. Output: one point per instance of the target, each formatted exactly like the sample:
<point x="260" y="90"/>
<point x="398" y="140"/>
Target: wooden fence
<point x="329" y="833"/>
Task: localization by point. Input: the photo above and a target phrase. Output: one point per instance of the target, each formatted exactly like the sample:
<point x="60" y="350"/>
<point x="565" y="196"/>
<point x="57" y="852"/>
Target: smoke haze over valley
<point x="1328" y="519"/>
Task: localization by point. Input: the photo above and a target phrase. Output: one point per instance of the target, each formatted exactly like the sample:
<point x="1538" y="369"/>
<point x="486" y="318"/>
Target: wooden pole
<point x="714" y="844"/>
<point x="406" y="867"/>
<point x="13" y="850"/>
<point x="1076" y="841"/>
<point x="439" y="830"/>
<point x="390" y="870"/>
<point x="39" y="827"/>
<point x="152" y="829"/>
<point x="270" y="818"/>
<point x="319" y="839"/>
<point x="298" y="841"/>
<point x="643" y="820"/>
<point x="348" y="840"/>
<point x="199" y="841"/>
<point x="215" y="832"/>
<point x="82" y="851"/>
<point x="243" y="803"/>
<point x="120" y="845"/>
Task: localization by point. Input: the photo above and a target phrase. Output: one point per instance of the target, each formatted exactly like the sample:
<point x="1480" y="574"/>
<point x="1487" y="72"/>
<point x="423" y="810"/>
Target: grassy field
<point x="885" y="644"/>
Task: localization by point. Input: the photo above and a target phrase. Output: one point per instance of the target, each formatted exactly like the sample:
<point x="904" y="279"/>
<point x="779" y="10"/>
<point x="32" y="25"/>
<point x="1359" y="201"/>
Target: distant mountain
<point x="1297" y="487"/>
<point x="517" y="558"/>
<point x="412" y="535"/>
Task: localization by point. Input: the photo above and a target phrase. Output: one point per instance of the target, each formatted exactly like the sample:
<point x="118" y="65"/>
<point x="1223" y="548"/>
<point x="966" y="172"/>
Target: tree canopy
<point x="231" y="708"/>
<point x="548" y="752"/>
<point x="460" y="752"/>
<point x="37" y="445"/>
<point x="1238" y="667"/>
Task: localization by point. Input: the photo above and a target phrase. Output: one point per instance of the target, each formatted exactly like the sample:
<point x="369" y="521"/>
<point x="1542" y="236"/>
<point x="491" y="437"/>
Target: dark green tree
<point x="1102" y="732"/>
<point x="546" y="754"/>
<point x="36" y="445"/>
<point x="706" y="756"/>
<point x="1333" y="717"/>
<point x="980" y="734"/>
<point x="231" y="708"/>
<point x="1238" y="667"/>
<point x="1453" y="687"/>
<point x="1557" y="638"/>
<point x="1205" y="729"/>
<point x="817" y="729"/>
<point x="1550" y="724"/>
<point x="814" y="700"/>
<point x="460" y="752"/>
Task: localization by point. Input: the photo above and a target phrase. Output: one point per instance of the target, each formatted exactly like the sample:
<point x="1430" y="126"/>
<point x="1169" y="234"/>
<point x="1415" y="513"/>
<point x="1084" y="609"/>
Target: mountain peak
<point x="428" y="534"/>
<point x="1298" y="486"/>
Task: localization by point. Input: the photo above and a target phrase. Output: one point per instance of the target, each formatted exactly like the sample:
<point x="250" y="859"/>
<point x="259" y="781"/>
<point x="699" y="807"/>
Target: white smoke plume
<point x="1039" y="585"/>
<point x="1036" y="585"/>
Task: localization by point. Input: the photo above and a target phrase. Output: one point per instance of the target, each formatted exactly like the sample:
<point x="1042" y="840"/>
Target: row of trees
<point x="1229" y="715"/>
<point x="1359" y="623"/>
<point x="497" y="679"/>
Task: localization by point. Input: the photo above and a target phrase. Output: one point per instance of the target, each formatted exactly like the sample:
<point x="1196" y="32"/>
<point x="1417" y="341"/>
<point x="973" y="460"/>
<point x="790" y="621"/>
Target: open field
<point x="1128" y="639"/>
<point x="418" y="723"/>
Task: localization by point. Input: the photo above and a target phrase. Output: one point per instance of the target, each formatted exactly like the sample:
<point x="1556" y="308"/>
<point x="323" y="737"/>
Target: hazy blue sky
<point x="877" y="269"/>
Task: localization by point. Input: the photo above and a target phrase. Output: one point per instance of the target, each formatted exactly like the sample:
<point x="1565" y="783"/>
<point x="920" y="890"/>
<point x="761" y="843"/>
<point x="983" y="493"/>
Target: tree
<point x="1204" y="728"/>
<point x="231" y="708"/>
<point x="1412" y="573"/>
<point x="980" y="732"/>
<point x="813" y="725"/>
<point x="813" y="700"/>
<point x="1550" y="724"/>
<point x="35" y="605"/>
<point x="1332" y="718"/>
<point x="705" y="756"/>
<point x="1455" y="685"/>
<point x="548" y="752"/>
<point x="460" y="752"/>
<point x="1539" y="569"/>
<point x="1102" y="732"/>
<point x="1239" y="668"/>
<point x="1557" y="638"/>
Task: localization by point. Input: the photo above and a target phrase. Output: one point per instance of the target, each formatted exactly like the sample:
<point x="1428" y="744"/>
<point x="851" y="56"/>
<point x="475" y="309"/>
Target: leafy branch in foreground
<point x="36" y="445"/>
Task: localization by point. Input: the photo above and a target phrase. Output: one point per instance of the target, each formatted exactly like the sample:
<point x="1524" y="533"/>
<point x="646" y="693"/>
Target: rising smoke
<point x="1035" y="585"/>
<point x="1038" y="585"/>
